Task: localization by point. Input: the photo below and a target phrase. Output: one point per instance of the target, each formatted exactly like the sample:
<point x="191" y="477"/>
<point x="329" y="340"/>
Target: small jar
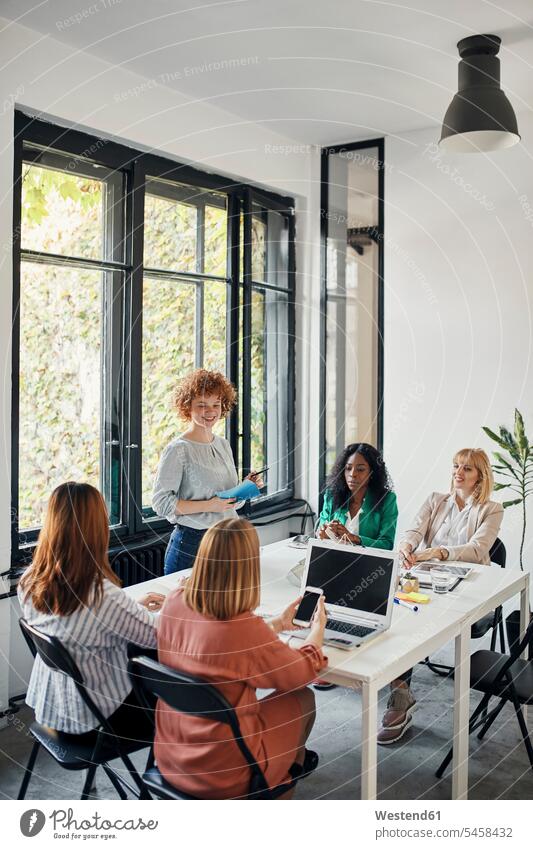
<point x="409" y="583"/>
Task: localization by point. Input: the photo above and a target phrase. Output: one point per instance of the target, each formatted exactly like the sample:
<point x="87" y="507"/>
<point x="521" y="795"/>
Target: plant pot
<point x="512" y="626"/>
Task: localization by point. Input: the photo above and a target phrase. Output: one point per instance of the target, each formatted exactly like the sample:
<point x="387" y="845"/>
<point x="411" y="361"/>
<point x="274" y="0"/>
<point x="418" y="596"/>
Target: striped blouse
<point x="97" y="640"/>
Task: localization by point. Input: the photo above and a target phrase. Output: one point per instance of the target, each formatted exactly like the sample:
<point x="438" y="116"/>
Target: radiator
<point x="139" y="562"/>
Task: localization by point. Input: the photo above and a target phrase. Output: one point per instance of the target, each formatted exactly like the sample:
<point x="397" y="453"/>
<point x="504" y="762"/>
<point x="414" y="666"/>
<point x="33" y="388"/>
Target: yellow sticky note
<point x="416" y="598"/>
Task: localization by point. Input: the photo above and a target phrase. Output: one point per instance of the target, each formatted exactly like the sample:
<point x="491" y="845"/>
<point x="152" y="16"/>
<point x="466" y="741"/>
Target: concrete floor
<point x="499" y="767"/>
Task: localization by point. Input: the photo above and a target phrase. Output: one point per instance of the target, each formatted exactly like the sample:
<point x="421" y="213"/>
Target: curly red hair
<point x="203" y="382"/>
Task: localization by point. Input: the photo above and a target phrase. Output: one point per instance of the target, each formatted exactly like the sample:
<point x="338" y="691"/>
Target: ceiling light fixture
<point x="480" y="118"/>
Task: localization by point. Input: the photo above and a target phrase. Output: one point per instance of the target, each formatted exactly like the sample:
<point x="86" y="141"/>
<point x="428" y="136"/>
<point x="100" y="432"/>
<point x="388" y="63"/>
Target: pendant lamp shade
<point x="480" y="118"/>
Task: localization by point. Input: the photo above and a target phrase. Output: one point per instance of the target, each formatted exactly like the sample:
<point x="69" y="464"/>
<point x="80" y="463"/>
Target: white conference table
<point x="411" y="638"/>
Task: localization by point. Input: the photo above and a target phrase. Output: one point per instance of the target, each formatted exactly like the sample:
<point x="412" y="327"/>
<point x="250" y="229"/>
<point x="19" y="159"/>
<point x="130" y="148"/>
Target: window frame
<point x="326" y="152"/>
<point x="139" y="166"/>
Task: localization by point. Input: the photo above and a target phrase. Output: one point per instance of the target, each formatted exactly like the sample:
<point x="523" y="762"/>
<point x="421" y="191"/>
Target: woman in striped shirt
<point x="70" y="592"/>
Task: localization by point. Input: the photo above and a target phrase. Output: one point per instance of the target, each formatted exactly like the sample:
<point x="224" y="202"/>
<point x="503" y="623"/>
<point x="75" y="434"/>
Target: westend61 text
<point x="407" y="815"/>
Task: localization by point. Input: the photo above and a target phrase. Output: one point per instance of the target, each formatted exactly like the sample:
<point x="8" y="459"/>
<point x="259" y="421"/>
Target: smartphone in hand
<point x="307" y="606"/>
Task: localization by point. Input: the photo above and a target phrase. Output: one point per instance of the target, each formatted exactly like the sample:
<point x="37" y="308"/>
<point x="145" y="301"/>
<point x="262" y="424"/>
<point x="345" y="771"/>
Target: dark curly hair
<point x="379" y="484"/>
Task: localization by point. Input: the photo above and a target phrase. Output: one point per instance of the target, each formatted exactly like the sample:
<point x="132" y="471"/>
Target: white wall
<point x="77" y="89"/>
<point x="459" y="281"/>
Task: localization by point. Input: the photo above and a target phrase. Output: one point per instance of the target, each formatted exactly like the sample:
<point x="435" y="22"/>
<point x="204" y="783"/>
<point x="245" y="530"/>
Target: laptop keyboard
<point x="346" y="628"/>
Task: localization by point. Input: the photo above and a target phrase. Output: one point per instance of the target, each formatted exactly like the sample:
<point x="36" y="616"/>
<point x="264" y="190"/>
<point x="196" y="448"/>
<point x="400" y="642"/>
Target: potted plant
<point x="514" y="467"/>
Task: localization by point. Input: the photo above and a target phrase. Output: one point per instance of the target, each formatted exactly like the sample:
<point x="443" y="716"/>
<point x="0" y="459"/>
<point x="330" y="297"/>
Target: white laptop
<point x="358" y="584"/>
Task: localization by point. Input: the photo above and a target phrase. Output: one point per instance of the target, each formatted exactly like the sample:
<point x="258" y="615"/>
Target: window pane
<point x="270" y="356"/>
<point x="215" y="239"/>
<point x="170" y="227"/>
<point x="69" y="213"/>
<point x="259" y="237"/>
<point x="60" y="383"/>
<point x="214" y="325"/>
<point x="270" y="248"/>
<point x="352" y="300"/>
<point x="169" y="316"/>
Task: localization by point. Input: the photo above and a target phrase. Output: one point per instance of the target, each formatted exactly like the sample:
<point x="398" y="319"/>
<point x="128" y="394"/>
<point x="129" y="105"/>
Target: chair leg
<point x="502" y="636"/>
<point x="87" y="787"/>
<point x="133" y="772"/>
<point x="439" y="668"/>
<point x="523" y="729"/>
<point x="495" y="713"/>
<point x="115" y="781"/>
<point x="29" y="770"/>
<point x="481" y="707"/>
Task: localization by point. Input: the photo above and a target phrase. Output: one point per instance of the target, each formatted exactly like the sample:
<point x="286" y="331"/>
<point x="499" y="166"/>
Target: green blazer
<point x="377" y="526"/>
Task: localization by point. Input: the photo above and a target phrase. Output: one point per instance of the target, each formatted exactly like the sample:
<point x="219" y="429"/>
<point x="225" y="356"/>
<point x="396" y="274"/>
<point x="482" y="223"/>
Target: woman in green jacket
<point x="359" y="505"/>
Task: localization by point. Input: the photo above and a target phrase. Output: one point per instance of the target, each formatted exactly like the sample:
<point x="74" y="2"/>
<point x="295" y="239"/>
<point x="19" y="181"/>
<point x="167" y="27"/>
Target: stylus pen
<point x="413" y="607"/>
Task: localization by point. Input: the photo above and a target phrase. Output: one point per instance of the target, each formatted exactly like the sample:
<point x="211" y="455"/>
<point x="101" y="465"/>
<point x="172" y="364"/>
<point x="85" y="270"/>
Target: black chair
<point x="195" y="697"/>
<point x="507" y="678"/>
<point x="493" y="620"/>
<point x="78" y="751"/>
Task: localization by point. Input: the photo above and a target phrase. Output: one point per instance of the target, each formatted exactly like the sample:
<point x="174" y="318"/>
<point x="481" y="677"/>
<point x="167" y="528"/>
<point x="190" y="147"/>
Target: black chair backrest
<point x="54" y="654"/>
<point x="525" y="643"/>
<point x="190" y="695"/>
<point x="498" y="553"/>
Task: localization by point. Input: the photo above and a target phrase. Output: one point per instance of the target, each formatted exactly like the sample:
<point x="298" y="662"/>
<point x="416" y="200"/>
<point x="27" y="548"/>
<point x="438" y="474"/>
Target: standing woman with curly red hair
<point x="195" y="466"/>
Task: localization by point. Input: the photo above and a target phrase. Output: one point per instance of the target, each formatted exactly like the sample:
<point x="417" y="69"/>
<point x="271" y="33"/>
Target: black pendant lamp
<point x="480" y="118"/>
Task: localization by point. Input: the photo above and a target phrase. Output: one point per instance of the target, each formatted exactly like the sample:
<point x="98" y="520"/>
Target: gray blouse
<point x="193" y="471"/>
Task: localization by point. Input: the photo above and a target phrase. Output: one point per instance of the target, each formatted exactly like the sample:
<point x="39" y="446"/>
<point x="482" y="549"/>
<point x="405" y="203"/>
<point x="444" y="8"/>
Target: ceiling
<point x="318" y="72"/>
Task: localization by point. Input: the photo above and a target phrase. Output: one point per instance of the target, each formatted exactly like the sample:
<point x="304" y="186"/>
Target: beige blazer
<point x="483" y="526"/>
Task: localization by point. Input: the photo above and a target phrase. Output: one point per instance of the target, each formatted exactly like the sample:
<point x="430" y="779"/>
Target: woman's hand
<point x="428" y="554"/>
<point x="321" y="532"/>
<point x="407" y="558"/>
<point x="220" y="505"/>
<point x="256" y="478"/>
<point x="152" y="601"/>
<point x="318" y="624"/>
<point x="284" y="622"/>
<point x="342" y="532"/>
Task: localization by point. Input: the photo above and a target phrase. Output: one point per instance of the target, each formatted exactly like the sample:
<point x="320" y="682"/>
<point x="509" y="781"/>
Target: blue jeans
<point x="181" y="549"/>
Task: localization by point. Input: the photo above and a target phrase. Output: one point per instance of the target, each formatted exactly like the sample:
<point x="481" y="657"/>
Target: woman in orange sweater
<point x="208" y="628"/>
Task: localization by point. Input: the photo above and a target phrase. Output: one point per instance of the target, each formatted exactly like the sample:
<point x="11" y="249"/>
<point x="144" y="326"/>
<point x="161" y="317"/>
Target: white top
<point x="453" y="530"/>
<point x="193" y="471"/>
<point x="352" y="524"/>
<point x="96" y="639"/>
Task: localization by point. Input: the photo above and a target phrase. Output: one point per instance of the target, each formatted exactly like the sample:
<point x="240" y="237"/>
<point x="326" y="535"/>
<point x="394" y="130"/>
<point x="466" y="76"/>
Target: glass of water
<point x="441" y="580"/>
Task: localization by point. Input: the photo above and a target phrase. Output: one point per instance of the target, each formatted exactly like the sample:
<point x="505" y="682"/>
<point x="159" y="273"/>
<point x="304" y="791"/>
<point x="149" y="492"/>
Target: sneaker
<point x="398" y="716"/>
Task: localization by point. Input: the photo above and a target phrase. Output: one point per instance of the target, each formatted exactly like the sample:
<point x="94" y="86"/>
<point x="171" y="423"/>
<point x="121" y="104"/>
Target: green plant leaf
<point x="520" y="434"/>
<point x="511" y="444"/>
<point x="507" y="465"/>
<point x="512" y="503"/>
<point x="498" y="486"/>
<point x="495" y="437"/>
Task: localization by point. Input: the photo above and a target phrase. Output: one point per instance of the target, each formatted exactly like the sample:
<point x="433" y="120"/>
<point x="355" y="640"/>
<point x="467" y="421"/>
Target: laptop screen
<point x="351" y="579"/>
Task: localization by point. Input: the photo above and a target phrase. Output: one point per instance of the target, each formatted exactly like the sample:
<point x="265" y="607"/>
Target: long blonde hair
<point x="225" y="580"/>
<point x="477" y="458"/>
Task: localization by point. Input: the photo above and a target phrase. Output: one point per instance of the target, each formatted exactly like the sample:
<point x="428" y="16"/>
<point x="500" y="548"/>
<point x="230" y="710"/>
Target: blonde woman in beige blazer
<point x="460" y="525"/>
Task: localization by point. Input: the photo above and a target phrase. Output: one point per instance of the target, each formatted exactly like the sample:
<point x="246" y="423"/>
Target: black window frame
<point x="138" y="167"/>
<point x="325" y="153"/>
